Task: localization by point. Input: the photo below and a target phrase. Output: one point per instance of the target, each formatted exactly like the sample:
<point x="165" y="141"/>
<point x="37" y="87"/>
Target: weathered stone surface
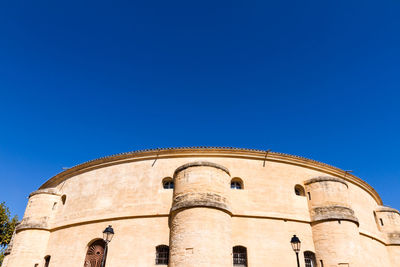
<point x="320" y="179"/>
<point x="334" y="224"/>
<point x="388" y="220"/>
<point x="394" y="238"/>
<point x="329" y="213"/>
<point x="201" y="164"/>
<point x="338" y="243"/>
<point x="50" y="191"/>
<point x="191" y="200"/>
<point x="200" y="201"/>
<point x="33" y="223"/>
<point x="387" y="209"/>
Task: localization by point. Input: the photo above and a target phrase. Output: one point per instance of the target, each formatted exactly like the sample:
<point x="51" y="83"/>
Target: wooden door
<point x="95" y="254"/>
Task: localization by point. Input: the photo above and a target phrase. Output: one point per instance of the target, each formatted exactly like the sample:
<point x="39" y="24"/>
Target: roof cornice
<point x="228" y="152"/>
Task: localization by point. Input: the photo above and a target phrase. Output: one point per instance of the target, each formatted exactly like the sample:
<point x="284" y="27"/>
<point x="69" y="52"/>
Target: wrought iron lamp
<point x="108" y="234"/>
<point x="296" y="243"/>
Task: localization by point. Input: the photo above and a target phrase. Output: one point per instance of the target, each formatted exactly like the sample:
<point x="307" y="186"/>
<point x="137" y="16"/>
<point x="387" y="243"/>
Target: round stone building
<point x="205" y="207"/>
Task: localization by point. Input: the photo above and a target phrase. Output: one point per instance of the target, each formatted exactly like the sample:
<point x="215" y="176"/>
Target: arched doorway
<point x="95" y="254"/>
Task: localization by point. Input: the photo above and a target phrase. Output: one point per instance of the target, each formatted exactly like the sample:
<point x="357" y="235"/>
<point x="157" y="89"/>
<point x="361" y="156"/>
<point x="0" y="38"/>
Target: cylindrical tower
<point x="200" y="219"/>
<point x="32" y="234"/>
<point x="334" y="226"/>
<point x="388" y="221"/>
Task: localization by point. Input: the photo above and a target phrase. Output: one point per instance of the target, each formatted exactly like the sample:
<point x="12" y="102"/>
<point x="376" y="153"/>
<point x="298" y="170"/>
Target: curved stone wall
<point x="203" y="215"/>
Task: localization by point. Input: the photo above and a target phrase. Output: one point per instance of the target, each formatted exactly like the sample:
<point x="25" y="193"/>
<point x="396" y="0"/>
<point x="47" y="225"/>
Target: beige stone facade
<point x="339" y="218"/>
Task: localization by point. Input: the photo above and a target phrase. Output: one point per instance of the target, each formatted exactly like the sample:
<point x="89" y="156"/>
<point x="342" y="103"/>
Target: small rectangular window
<point x="239" y="256"/>
<point x="162" y="255"/>
<point x="381" y="221"/>
<point x="309" y="195"/>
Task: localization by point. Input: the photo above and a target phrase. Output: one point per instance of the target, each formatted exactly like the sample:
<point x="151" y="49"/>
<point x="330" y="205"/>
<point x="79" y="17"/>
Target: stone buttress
<point x="200" y="219"/>
<point x="388" y="221"/>
<point x="32" y="234"/>
<point x="334" y="225"/>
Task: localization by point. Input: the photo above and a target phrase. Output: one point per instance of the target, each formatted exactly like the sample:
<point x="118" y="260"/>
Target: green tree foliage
<point x="7" y="226"/>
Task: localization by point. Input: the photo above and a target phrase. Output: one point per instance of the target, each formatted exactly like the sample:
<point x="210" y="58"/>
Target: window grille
<point x="239" y="256"/>
<point x="162" y="255"/>
<point x="309" y="258"/>
<point x="236" y="185"/>
<point x="168" y="185"/>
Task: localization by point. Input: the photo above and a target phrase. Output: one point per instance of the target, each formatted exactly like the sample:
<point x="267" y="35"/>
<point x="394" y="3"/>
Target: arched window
<point x="94" y="254"/>
<point x="168" y="183"/>
<point x="309" y="258"/>
<point x="47" y="261"/>
<point x="162" y="255"/>
<point x="299" y="190"/>
<point x="240" y="256"/>
<point x="236" y="183"/>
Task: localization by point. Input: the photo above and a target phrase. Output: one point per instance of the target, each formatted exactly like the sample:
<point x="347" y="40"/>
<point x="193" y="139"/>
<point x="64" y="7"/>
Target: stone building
<point x="205" y="207"/>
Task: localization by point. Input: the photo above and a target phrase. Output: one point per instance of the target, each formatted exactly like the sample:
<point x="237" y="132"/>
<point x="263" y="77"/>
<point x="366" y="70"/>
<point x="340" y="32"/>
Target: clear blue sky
<point x="85" y="79"/>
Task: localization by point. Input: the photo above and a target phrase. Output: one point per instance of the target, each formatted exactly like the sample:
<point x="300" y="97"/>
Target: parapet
<point x="201" y="191"/>
<point x="327" y="191"/>
<point x="39" y="210"/>
<point x="388" y="220"/>
<point x="49" y="191"/>
<point x="325" y="179"/>
<point x="201" y="164"/>
<point x="387" y="209"/>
